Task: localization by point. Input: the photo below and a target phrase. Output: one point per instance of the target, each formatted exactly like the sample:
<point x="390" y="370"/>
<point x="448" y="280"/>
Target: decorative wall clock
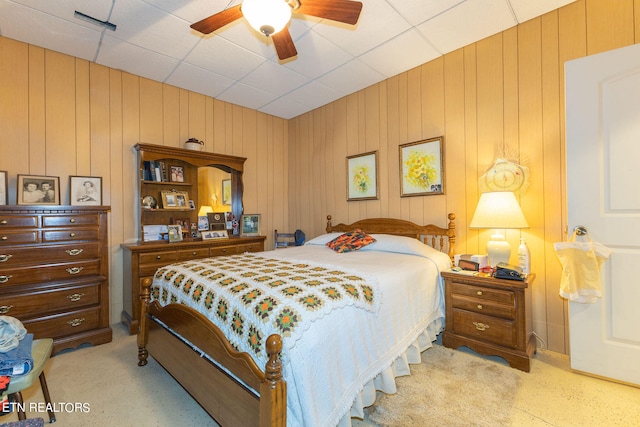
<point x="505" y="175"/>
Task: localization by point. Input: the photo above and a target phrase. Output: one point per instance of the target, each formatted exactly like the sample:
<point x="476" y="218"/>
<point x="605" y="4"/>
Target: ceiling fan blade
<point x="284" y="44"/>
<point x="335" y="10"/>
<point x="217" y="21"/>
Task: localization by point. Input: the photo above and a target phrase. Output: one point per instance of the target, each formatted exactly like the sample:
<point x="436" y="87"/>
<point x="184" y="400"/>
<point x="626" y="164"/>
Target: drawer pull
<point x="479" y="306"/>
<point x="75" y="297"/>
<point x="4" y="237"/>
<point x="74" y="252"/>
<point x="74" y="270"/>
<point x="480" y="326"/>
<point x="72" y="220"/>
<point x="158" y="257"/>
<point x="5" y="279"/>
<point x="5" y="257"/>
<point x="194" y="253"/>
<point x="224" y="250"/>
<point x="72" y="234"/>
<point x="3" y="222"/>
<point x="4" y="309"/>
<point x="75" y="322"/>
<point x="479" y="293"/>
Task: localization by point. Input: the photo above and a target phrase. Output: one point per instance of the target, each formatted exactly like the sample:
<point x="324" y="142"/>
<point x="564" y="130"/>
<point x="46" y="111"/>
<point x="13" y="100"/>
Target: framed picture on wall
<point x="38" y="190"/>
<point x="85" y="190"/>
<point x="422" y="167"/>
<point x="3" y="188"/>
<point x="250" y="225"/>
<point x="362" y="176"/>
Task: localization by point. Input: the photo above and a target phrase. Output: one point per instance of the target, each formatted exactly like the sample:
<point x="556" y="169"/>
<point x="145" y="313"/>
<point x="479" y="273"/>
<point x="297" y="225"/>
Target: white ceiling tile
<point x="313" y="95"/>
<point x="378" y="23"/>
<point x="199" y="80"/>
<point x="136" y="60"/>
<point x="274" y="78"/>
<point x="285" y="108"/>
<point x="417" y="11"/>
<point x="223" y="57"/>
<point x="351" y="77"/>
<point x="247" y="96"/>
<point x="406" y="51"/>
<point x="466" y="23"/>
<point x="317" y="56"/>
<point x="527" y="9"/>
<point x="192" y="10"/>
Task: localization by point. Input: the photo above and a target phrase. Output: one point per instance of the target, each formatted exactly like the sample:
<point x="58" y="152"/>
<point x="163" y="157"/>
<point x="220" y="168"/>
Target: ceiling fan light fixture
<point x="267" y="16"/>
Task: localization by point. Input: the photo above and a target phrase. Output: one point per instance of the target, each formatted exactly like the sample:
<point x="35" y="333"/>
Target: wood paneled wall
<point x="502" y="96"/>
<point x="63" y="116"/>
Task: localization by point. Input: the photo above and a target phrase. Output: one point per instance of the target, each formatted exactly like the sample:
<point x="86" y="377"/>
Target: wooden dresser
<point x="54" y="272"/>
<point x="142" y="260"/>
<point x="490" y="316"/>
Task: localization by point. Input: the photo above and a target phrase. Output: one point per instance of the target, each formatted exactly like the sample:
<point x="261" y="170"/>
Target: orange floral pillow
<point x="351" y="241"/>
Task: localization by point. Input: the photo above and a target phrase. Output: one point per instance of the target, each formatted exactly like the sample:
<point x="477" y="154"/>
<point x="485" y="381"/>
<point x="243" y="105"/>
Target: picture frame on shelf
<point x="175" y="200"/>
<point x="4" y="195"/>
<point x="362" y="176"/>
<point x="203" y="223"/>
<point x="214" y="234"/>
<point x="85" y="190"/>
<point x="185" y="223"/>
<point x="250" y="225"/>
<point x="217" y="221"/>
<point x="38" y="190"/>
<point x="422" y="167"/>
<point x="226" y="191"/>
<point x="176" y="173"/>
<point x="175" y="233"/>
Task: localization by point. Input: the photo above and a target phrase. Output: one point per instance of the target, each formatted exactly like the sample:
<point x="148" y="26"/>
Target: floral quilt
<point x="250" y="296"/>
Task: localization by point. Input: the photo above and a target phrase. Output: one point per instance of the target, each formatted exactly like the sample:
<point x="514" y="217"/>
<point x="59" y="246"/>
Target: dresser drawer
<point x="19" y="238"/>
<point x="60" y="325"/>
<point x="69" y="220"/>
<point x="487" y="294"/>
<point x="249" y="247"/>
<point x="28" y="255"/>
<point x="485" y="328"/>
<point x="188" y="254"/>
<point x="18" y="221"/>
<point x="483" y="306"/>
<point x="44" y="272"/>
<point x="223" y="251"/>
<point x="151" y="261"/>
<point x="40" y="301"/>
<point x="70" y="235"/>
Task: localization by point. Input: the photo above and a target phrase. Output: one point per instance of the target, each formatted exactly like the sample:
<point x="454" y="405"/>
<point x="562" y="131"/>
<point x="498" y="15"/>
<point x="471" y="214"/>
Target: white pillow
<point x="406" y="245"/>
<point x="323" y="239"/>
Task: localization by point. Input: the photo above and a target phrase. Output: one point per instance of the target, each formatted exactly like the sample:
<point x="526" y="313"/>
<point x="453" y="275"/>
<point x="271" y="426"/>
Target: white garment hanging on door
<point x="581" y="261"/>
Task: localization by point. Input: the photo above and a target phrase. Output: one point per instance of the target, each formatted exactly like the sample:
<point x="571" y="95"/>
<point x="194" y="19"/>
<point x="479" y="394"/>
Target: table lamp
<point x="498" y="210"/>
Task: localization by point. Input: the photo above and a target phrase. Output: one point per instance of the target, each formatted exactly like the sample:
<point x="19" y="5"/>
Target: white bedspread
<point x="342" y="353"/>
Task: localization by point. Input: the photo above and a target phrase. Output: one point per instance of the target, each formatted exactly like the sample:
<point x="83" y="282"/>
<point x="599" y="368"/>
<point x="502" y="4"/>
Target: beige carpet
<point x="449" y="388"/>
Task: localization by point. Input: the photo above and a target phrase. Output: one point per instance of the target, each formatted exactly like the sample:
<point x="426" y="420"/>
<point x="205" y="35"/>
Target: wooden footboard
<point x="249" y="396"/>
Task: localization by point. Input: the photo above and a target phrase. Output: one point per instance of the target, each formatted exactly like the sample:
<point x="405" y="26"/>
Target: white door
<point x="603" y="185"/>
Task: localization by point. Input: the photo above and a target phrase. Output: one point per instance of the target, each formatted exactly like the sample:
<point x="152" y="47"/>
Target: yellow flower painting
<point x="362" y="181"/>
<point x="421" y="170"/>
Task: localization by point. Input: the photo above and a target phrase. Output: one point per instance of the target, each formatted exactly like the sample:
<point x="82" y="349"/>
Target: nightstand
<point x="490" y="316"/>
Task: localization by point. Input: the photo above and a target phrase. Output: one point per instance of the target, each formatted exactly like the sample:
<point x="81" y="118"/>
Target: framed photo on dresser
<point x="3" y="188"/>
<point x="85" y="190"/>
<point x="38" y="190"/>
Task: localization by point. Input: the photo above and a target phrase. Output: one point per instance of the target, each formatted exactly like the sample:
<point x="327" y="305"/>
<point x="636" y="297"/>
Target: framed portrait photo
<point x="175" y="233"/>
<point x="250" y="225"/>
<point x="422" y="167"/>
<point x="175" y="200"/>
<point x="85" y="190"/>
<point x="176" y="173"/>
<point x="362" y="176"/>
<point x="38" y="190"/>
<point x="3" y="187"/>
<point x="184" y="223"/>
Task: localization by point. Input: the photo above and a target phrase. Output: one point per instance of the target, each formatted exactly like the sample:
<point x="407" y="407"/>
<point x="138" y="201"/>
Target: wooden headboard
<point x="442" y="239"/>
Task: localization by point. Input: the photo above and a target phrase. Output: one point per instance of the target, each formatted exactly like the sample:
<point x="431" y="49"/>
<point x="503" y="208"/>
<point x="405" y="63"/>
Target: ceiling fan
<point x="270" y="18"/>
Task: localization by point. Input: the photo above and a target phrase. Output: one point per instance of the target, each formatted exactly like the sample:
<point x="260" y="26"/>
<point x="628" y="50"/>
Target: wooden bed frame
<point x="260" y="397"/>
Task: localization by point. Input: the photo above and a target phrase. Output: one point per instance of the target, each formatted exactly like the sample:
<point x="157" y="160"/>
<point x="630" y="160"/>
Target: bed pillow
<point x="409" y="246"/>
<point x="351" y="241"/>
<point x="322" y="239"/>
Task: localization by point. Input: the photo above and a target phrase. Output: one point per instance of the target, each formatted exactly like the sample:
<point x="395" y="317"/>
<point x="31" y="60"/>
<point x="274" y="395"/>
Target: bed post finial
<point x="452" y="234"/>
<point x="273" y="392"/>
<point x="329" y="225"/>
<point x="145" y="297"/>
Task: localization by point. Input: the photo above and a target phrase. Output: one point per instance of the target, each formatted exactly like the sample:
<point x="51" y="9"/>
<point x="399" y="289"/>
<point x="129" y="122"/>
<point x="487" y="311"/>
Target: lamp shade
<point x="498" y="209"/>
<point x="204" y="210"/>
<point x="267" y="16"/>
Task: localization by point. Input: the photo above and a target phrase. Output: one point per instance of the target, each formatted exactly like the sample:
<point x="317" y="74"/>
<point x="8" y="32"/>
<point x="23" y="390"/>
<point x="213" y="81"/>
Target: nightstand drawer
<point x="487" y="294"/>
<point x="485" y="328"/>
<point x="482" y="306"/>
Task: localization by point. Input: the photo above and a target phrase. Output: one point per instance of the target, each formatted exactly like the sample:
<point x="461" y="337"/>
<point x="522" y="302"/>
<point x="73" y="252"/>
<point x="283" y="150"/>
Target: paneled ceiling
<point x="239" y="65"/>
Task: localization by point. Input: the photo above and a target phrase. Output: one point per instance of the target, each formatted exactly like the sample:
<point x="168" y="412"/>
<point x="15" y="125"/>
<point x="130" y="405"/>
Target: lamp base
<point x="498" y="250"/>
